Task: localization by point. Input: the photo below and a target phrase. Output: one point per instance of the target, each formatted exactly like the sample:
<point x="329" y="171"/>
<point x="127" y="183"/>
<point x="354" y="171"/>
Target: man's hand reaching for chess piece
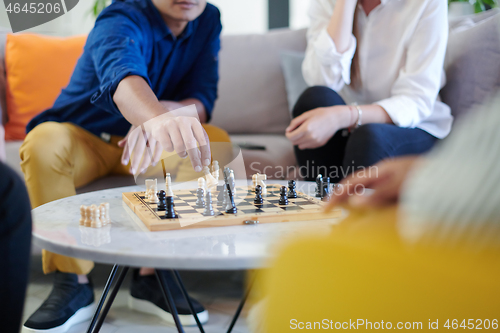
<point x="160" y="127"/>
<point x="386" y="182"/>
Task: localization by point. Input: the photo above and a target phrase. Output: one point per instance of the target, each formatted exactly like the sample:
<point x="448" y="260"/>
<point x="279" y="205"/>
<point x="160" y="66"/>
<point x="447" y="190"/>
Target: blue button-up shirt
<point x="131" y="38"/>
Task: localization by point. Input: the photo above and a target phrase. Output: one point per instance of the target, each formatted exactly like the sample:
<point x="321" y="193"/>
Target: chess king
<point x="142" y="59"/>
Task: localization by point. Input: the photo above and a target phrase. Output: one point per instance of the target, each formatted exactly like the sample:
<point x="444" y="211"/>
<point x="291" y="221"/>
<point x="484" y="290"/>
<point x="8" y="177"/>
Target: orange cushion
<point x="37" y="68"/>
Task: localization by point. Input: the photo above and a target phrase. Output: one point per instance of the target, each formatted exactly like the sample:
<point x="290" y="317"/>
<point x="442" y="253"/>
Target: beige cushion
<point x="252" y="95"/>
<point x="472" y="61"/>
<point x="277" y="161"/>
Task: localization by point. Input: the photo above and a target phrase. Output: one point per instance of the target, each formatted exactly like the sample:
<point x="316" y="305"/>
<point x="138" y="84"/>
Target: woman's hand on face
<point x="314" y="128"/>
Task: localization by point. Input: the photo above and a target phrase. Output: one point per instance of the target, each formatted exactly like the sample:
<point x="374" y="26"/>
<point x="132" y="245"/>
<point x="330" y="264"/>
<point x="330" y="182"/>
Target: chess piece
<point x="162" y="201"/>
<point x="221" y="197"/>
<point x="200" y="202"/>
<point x="283" y="196"/>
<point x="202" y="184"/>
<point x="325" y="193"/>
<point x="88" y="216"/>
<point x="170" y="212"/>
<point x="258" y="195"/>
<point x="260" y="179"/>
<point x="319" y="186"/>
<point x="215" y="170"/>
<point x="102" y="211"/>
<point x="95" y="217"/>
<point x="209" y="211"/>
<point x="168" y="185"/>
<point x="83" y="214"/>
<point x="292" y="194"/>
<point x="211" y="181"/>
<point x="151" y="188"/>
<point x="231" y="207"/>
<point x="108" y="219"/>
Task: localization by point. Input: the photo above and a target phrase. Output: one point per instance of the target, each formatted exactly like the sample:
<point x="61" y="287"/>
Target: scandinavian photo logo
<point x="26" y="14"/>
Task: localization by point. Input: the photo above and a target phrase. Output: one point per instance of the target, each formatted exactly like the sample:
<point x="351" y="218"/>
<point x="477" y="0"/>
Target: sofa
<point x="260" y="78"/>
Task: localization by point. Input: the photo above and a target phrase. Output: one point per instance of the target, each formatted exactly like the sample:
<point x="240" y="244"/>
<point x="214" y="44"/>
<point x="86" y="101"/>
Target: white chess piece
<point x="202" y="184"/>
<point x="83" y="214"/>
<point x="95" y="219"/>
<point x="215" y="170"/>
<point x="106" y="206"/>
<point x="102" y="211"/>
<point x="168" y="186"/>
<point x="151" y="188"/>
<point x="153" y="194"/>
<point x="211" y="181"/>
<point x="88" y="216"/>
<point x="260" y="179"/>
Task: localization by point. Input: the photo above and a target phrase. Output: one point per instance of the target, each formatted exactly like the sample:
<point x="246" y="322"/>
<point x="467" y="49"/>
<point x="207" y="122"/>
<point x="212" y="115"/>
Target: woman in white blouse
<point x="384" y="59"/>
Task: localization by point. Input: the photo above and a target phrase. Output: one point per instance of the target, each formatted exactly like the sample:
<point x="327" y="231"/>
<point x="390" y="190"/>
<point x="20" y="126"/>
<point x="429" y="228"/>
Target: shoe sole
<point x="81" y="315"/>
<point x="150" y="308"/>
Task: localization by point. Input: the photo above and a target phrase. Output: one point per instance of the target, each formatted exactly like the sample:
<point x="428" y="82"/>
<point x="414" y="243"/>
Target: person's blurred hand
<point x="3" y="155"/>
<point x="385" y="179"/>
<point x="315" y="128"/>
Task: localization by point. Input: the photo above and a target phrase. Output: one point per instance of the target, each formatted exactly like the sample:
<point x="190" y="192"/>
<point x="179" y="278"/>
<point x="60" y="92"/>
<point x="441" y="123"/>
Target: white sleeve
<point x="323" y="64"/>
<point x="415" y="91"/>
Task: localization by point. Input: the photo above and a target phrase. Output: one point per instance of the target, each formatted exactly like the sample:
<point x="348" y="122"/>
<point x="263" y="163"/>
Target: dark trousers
<point x="363" y="147"/>
<point x="15" y="244"/>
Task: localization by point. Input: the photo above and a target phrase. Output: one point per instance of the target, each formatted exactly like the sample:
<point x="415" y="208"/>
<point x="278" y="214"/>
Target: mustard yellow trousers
<point x="57" y="158"/>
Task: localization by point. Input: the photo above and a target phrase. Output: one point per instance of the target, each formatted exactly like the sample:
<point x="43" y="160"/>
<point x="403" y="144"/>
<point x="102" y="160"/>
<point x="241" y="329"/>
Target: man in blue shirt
<point x="143" y="59"/>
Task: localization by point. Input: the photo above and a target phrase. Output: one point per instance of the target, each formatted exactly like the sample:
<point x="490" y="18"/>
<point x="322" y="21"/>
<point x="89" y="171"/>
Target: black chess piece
<point x="283" y="196"/>
<point x="170" y="213"/>
<point x="200" y="202"/>
<point x="209" y="211"/>
<point x="231" y="206"/>
<point x="292" y="194"/>
<point x="325" y="190"/>
<point x="162" y="203"/>
<point x="258" y="195"/>
<point x="319" y="186"/>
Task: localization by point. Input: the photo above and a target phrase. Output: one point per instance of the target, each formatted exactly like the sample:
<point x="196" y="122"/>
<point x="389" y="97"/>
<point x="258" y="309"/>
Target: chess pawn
<point x="108" y="218"/>
<point x="258" y="195"/>
<point x="162" y="201"/>
<point x="83" y="214"/>
<point x="292" y="194"/>
<point x="215" y="170"/>
<point x="200" y="202"/>
<point x="88" y="216"/>
<point x="153" y="196"/>
<point x="319" y="186"/>
<point x="95" y="220"/>
<point x="209" y="211"/>
<point x="102" y="211"/>
<point x="283" y="196"/>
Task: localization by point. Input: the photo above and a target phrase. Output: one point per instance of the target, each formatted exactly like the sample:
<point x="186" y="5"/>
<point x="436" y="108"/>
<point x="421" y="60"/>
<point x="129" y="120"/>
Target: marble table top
<point x="126" y="241"/>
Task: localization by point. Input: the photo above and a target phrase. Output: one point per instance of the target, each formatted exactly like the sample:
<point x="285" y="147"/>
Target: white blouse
<point x="402" y="45"/>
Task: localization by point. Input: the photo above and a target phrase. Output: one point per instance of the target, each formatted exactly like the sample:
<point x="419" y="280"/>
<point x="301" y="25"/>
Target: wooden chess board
<point x="303" y="208"/>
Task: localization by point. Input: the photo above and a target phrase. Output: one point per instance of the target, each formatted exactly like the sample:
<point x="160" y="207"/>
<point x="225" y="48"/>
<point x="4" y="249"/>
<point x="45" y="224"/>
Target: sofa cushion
<point x="277" y="161"/>
<point x="472" y="61"/>
<point x="291" y="63"/>
<point x="252" y="94"/>
<point x="37" y="68"/>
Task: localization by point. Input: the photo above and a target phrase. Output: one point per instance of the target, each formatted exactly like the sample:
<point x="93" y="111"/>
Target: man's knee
<point x="316" y="97"/>
<point x="44" y="141"/>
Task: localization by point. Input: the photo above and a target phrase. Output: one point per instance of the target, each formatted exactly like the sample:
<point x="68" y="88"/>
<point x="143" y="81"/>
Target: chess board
<point x="303" y="208"/>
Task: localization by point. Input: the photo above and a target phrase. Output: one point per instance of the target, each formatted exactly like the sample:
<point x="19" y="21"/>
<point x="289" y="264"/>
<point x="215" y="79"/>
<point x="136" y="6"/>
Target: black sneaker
<point x="69" y="303"/>
<point x="146" y="296"/>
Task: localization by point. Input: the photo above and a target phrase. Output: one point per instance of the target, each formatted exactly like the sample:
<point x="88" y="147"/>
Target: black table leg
<point x="186" y="296"/>
<point x="170" y="301"/>
<point x="240" y="307"/>
<point x="103" y="298"/>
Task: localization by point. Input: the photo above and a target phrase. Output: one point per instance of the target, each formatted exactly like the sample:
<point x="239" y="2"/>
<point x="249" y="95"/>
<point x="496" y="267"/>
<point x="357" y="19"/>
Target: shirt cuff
<point x="104" y="97"/>
<point x="401" y="111"/>
<point x="327" y="53"/>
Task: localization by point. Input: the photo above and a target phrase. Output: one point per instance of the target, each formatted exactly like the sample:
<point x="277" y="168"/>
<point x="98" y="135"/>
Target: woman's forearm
<point x="341" y="22"/>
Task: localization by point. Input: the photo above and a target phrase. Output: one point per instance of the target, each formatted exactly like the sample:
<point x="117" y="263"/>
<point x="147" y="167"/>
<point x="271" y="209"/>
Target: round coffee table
<point x="126" y="242"/>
